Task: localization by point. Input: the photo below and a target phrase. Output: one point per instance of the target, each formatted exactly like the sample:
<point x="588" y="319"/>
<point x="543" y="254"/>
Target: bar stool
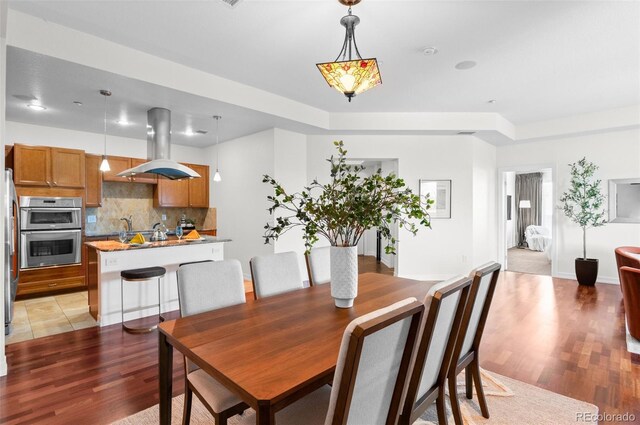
<point x="140" y="275"/>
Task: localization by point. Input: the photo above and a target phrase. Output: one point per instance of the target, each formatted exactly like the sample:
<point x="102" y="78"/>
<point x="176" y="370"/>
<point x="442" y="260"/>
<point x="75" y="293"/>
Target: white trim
<point x="601" y="279"/>
<point x="3" y="366"/>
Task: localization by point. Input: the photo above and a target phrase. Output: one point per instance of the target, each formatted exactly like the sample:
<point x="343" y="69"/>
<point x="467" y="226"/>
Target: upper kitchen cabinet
<point x="142" y="178"/>
<point x="93" y="189"/>
<point x="67" y="167"/>
<point x="117" y="164"/>
<point x="185" y="193"/>
<point x="47" y="166"/>
<point x="199" y="188"/>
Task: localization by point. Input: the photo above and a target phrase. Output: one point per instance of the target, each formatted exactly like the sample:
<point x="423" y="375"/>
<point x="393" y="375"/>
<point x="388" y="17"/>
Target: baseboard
<point x="3" y="366"/>
<point x="601" y="279"/>
<point x="633" y="345"/>
<point x="386" y="263"/>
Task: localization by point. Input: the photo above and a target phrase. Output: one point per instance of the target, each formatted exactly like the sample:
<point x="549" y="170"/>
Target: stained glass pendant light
<point x="351" y="75"/>
<point x="104" y="165"/>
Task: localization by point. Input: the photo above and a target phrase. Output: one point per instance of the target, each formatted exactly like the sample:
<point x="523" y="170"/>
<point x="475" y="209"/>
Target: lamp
<point x="104" y="165"/>
<point x="350" y="76"/>
<point x="216" y="176"/>
<point x="525" y="204"/>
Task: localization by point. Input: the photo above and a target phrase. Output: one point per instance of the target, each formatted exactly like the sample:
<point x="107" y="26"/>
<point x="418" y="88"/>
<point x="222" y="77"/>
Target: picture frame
<point x="508" y="207"/>
<point x="440" y="192"/>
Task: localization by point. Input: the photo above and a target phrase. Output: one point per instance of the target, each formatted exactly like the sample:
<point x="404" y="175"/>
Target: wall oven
<point x="50" y="231"/>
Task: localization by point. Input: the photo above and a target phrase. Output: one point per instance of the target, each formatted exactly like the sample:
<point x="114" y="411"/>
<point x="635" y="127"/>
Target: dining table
<point x="273" y="351"/>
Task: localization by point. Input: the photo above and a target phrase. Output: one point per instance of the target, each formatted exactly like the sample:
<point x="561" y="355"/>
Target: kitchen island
<point x="106" y="259"/>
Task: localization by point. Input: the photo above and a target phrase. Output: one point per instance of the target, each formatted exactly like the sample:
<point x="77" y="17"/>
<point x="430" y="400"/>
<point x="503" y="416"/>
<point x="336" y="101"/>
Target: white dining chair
<point x="466" y="352"/>
<point x="319" y="265"/>
<point x="203" y="287"/>
<point x="444" y="307"/>
<point x="275" y="274"/>
<point x="370" y="374"/>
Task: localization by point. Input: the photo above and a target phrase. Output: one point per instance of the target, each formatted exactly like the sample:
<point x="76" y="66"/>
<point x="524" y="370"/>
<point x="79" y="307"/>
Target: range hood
<point x="159" y="149"/>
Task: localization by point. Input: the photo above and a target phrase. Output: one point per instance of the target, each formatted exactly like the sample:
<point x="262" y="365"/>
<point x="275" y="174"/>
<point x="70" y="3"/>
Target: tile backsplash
<point x="136" y="200"/>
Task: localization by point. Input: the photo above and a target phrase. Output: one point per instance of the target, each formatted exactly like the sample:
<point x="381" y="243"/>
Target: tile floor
<point x="40" y="317"/>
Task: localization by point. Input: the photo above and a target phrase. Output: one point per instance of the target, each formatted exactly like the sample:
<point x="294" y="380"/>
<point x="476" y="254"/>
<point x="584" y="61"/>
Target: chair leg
<point x="188" y="396"/>
<point x="468" y="382"/>
<point x="441" y="407"/>
<point x="475" y="367"/>
<point x="453" y="398"/>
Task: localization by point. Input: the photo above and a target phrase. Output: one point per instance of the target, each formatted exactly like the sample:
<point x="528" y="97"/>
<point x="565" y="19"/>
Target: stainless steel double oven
<point x="50" y="231"/>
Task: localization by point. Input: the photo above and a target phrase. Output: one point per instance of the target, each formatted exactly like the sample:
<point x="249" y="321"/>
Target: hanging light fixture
<point x="350" y="76"/>
<point x="216" y="176"/>
<point x="104" y="165"/>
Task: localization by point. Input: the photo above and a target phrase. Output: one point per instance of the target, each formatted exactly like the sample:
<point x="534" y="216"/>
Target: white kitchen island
<point x="106" y="259"/>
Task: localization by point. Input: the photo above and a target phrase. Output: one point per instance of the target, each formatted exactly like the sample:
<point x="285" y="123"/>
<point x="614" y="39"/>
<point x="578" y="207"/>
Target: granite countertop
<point x="112" y="246"/>
<point x="104" y="234"/>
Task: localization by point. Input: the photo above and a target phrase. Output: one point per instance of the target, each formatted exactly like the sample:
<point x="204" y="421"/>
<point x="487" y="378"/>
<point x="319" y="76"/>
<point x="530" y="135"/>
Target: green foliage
<point x="583" y="202"/>
<point x="348" y="205"/>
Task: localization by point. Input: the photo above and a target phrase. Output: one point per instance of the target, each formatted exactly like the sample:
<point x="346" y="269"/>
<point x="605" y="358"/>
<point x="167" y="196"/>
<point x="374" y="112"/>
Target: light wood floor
<point x="543" y="331"/>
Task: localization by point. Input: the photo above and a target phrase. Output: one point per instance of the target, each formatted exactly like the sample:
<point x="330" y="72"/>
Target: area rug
<point x="510" y="402"/>
<point x="527" y="261"/>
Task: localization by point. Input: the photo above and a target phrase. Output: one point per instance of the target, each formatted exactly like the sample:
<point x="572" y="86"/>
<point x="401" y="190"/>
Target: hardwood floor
<point x="546" y="332"/>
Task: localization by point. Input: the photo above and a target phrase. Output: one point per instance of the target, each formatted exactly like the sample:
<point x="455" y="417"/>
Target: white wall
<point x="290" y="170"/>
<point x="510" y="189"/>
<point x="446" y="249"/>
<point x="29" y="134"/>
<point x="241" y="197"/>
<point x="618" y="156"/>
<point x="3" y="74"/>
<point x="484" y="213"/>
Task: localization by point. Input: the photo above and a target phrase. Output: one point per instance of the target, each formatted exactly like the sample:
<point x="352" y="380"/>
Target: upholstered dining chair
<point x="628" y="256"/>
<point x="370" y="375"/>
<point x="319" y="265"/>
<point x="466" y="351"/>
<point x="444" y="306"/>
<point x="630" y="282"/>
<point x="275" y="274"/>
<point x="206" y="286"/>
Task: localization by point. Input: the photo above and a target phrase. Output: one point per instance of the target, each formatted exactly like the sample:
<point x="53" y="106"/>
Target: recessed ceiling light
<point x="429" y="51"/>
<point x="465" y="65"/>
<point x="123" y="122"/>
<point x="492" y="101"/>
<point x="36" y="107"/>
<point x="201" y="131"/>
<point x="25" y="97"/>
<point x="77" y="103"/>
<point x="189" y="132"/>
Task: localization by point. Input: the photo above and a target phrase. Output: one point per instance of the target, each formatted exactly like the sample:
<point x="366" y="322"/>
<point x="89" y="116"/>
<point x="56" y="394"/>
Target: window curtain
<point x="528" y="188"/>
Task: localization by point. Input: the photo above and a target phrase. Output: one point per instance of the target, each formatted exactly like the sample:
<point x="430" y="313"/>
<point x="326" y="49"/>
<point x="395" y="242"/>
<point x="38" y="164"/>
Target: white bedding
<point x="539" y="239"/>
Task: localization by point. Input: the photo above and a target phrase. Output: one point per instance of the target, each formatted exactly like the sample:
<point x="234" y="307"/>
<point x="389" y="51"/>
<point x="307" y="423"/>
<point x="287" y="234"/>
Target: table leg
<point x="265" y="414"/>
<point x="165" y="376"/>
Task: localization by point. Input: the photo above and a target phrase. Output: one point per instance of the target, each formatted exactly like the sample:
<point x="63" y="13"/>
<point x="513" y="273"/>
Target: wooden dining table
<point x="273" y="351"/>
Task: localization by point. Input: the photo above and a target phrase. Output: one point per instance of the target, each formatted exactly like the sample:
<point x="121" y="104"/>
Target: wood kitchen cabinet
<point x="199" y="188"/>
<point x="117" y="164"/>
<point x="185" y="193"/>
<point x="93" y="177"/>
<point x="48" y="166"/>
<point x="142" y="178"/>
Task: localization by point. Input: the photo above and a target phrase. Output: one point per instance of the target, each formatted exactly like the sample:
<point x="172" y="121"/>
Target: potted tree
<point x="583" y="204"/>
<point x="341" y="211"/>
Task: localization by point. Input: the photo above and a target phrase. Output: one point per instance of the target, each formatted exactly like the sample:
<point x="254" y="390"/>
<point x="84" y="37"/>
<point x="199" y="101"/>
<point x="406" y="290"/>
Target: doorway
<point x="527" y="221"/>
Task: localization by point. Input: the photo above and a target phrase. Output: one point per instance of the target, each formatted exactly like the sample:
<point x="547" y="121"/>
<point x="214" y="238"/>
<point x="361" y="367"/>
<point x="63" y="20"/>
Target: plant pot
<point x="587" y="271"/>
<point x="344" y="275"/>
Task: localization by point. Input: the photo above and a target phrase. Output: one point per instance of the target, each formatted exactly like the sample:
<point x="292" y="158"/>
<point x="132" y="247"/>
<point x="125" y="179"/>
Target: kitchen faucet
<point x="128" y="221"/>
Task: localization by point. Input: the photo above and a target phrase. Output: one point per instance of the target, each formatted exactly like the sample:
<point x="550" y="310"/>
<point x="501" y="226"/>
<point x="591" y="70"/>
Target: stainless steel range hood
<point x="159" y="149"/>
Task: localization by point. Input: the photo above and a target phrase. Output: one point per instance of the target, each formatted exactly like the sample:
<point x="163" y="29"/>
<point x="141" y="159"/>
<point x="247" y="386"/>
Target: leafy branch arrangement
<point x="347" y="206"/>
<point x="583" y="202"/>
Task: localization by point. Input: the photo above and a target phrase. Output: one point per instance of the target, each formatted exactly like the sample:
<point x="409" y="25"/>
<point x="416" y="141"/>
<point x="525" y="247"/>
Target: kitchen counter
<point x="112" y="246"/>
<point x="106" y="259"/>
<point x="103" y="234"/>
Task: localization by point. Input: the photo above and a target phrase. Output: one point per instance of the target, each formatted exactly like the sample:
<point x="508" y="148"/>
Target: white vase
<point x="344" y="275"/>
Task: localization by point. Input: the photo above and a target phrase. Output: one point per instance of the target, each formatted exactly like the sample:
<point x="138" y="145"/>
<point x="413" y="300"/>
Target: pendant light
<point x="216" y="176"/>
<point x="104" y="165"/>
<point x="350" y="76"/>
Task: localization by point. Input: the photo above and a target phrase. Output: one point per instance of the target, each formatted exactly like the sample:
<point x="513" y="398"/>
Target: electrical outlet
<point x="91" y="219"/>
<point x="164" y="217"/>
<point x="111" y="262"/>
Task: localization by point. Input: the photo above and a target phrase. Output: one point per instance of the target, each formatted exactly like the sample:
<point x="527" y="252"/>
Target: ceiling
<point x="56" y="84"/>
<point x="538" y="60"/>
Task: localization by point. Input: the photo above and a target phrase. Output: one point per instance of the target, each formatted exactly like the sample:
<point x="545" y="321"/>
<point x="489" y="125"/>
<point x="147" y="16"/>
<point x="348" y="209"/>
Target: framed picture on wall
<point x="440" y="192"/>
<point x="508" y="207"/>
